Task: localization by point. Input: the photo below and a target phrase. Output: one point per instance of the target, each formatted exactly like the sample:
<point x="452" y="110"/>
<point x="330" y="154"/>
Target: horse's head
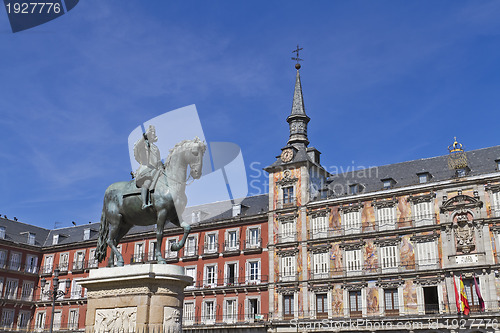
<point x="194" y="157"/>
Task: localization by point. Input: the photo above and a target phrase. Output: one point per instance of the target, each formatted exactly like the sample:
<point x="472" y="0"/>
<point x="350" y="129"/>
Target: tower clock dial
<point x="287" y="155"/>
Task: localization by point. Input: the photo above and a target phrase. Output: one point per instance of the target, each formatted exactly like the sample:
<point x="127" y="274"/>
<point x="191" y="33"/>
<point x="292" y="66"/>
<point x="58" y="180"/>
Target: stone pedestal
<point x="135" y="298"/>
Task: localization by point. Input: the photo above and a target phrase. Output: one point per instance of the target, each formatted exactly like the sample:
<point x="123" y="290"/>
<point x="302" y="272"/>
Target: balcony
<point x="288" y="276"/>
<point x="495" y="211"/>
<point x="286" y="203"/>
<point x="63" y="267"/>
<point x="171" y="256"/>
<point x="220" y="319"/>
<point x="253" y="246"/>
<point x="287" y="238"/>
<point x="46" y="270"/>
<point x="14" y="265"/>
<point x="210" y="250"/>
<point x="231" y="248"/>
<point x="231" y="282"/>
<point x="79" y="266"/>
<point x="139" y="258"/>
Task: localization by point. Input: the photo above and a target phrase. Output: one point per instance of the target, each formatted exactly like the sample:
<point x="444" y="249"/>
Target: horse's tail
<point x="102" y="243"/>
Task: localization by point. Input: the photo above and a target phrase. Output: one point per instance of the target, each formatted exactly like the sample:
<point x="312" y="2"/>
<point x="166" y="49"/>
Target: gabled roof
<point x="17" y="232"/>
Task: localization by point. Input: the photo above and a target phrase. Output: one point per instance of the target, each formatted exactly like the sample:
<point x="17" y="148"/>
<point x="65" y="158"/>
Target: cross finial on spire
<point x="297" y="65"/>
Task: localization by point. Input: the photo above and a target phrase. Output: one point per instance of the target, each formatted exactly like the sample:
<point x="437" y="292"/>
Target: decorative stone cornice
<point x="424" y="238"/>
<point x="318" y="212"/>
<point x="429" y="281"/>
<point x="352" y="246"/>
<point x="492" y="187"/>
<point x="287" y="217"/>
<point x="288" y="290"/>
<point x="389" y="284"/>
<point x="385" y="203"/>
<point x="421" y="198"/>
<point x="388" y="241"/>
<point x="354" y="286"/>
<point x="495" y="228"/>
<point x="287" y="252"/>
<point x="461" y="202"/>
<point x="287" y="180"/>
<point x="319" y="248"/>
<point x="319" y="288"/>
<point x="353" y="207"/>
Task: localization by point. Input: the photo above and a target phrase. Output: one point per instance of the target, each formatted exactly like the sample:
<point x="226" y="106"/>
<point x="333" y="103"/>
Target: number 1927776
<point x="34" y="8"/>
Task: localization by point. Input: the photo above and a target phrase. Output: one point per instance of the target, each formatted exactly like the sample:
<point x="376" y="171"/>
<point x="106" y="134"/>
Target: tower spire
<point x="298" y="118"/>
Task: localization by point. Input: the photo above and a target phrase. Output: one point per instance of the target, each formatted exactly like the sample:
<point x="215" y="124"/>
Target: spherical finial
<point x="297" y="65"/>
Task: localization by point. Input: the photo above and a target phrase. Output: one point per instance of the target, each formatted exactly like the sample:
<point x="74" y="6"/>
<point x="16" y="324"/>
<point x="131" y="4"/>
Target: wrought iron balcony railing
<point x="286" y="203"/>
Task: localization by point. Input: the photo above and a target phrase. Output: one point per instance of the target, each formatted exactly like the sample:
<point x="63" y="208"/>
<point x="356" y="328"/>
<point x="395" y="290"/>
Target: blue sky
<point x="383" y="82"/>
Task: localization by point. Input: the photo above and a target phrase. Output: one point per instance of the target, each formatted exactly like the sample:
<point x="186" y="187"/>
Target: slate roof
<point x="480" y="161"/>
<point x="17" y="232"/>
<point x="212" y="212"/>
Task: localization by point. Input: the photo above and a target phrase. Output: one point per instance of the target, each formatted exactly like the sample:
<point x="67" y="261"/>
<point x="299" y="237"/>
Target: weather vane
<point x="297" y="65"/>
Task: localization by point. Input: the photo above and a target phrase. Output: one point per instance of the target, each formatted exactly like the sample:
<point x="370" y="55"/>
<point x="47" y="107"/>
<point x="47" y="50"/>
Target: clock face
<point x="287" y="155"/>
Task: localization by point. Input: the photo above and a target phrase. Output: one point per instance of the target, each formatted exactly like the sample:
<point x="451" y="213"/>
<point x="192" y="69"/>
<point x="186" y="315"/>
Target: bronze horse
<point x="122" y="207"/>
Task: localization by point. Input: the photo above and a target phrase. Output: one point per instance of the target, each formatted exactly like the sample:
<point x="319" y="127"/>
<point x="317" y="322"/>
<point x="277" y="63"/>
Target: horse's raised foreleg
<point x="180" y="245"/>
<point x="114" y="232"/>
<point x="160" y="223"/>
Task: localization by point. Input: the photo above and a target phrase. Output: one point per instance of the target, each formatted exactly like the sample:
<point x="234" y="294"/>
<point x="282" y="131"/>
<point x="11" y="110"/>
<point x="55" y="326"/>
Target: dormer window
<point x="31" y="238"/>
<point x="2" y="232"/>
<point x="354" y="189"/>
<point x="388" y="183"/>
<point x="498" y="164"/>
<point x="423" y="177"/>
<point x="236" y="210"/>
<point x="86" y="234"/>
<point x="462" y="172"/>
<point x="55" y="239"/>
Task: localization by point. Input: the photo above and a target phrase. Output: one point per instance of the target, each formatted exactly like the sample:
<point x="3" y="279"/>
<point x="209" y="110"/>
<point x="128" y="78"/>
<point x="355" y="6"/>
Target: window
<point x="76" y="289"/>
<point x="353" y="260"/>
<point x="319" y="226"/>
<point x="196" y="216"/>
<point x="461" y="172"/>
<point x="388" y="256"/>
<point x="40" y="321"/>
<point x="31" y="238"/>
<point x="423" y="213"/>
<point x="321" y="267"/>
<point x="423" y="177"/>
<point x="55" y="239"/>
<point x="188" y="314"/>
<point x="321" y="306"/>
<point x="57" y="320"/>
<point x="472" y="297"/>
<point x="288" y="231"/>
<point x="230" y="310"/>
<point x="93" y="263"/>
<point x="27" y="291"/>
<point x="15" y="261"/>
<point x="232" y="240"/>
<point x="353" y="189"/>
<point x="44" y="296"/>
<point x="119" y="248"/>
<point x="48" y="264"/>
<point x="211" y="275"/>
<point x="73" y="319"/>
<point x="63" y="261"/>
<point x="139" y="252"/>
<point x="3" y="258"/>
<point x="231" y="273"/>
<point x="7" y="318"/>
<point x="388" y="183"/>
<point x="152" y="250"/>
<point x="1" y="287"/>
<point x="391" y="301"/>
<point x="191" y="271"/>
<point x="170" y="253"/>
<point x="252" y="309"/>
<point x="253" y="271"/>
<point x="86" y="234"/>
<point x="496" y="204"/>
<point x="23" y="320"/>
<point x="427" y="255"/>
<point x="498" y="164"/>
<point x="2" y="232"/>
<point x="11" y="289"/>
<point x="386" y="218"/>
<point x="190" y="248"/>
<point x="253" y="237"/>
<point x="208" y="311"/>
<point x="355" y="303"/>
<point x="236" y="210"/>
<point x="288" y="198"/>
<point x="211" y="243"/>
<point x="288" y="270"/>
<point x="288" y="306"/>
<point x="352" y="222"/>
<point x="79" y="260"/>
<point x="31" y="264"/>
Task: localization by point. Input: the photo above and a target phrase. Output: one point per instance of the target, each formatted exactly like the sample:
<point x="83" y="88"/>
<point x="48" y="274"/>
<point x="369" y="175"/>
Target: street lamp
<point x="54" y="293"/>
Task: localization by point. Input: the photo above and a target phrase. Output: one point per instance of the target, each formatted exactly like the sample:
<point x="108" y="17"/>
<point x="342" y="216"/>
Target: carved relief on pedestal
<point x="115" y="320"/>
<point x="171" y="320"/>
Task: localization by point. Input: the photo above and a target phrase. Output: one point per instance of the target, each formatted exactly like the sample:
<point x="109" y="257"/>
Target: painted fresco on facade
<point x="336" y="259"/>
<point x="368" y="217"/>
<point x="403" y="212"/>
<point x="446" y="301"/>
<point x="497" y="285"/>
<point x="371" y="258"/>
<point x="407" y="253"/>
<point x="335" y="219"/>
<point x="488" y="204"/>
<point x="372" y="301"/>
<point x="410" y="297"/>
<point x="338" y="301"/>
<point x="435" y="204"/>
<point x="294" y="173"/>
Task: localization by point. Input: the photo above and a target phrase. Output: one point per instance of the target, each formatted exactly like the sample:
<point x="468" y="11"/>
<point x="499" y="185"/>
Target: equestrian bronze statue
<point x="159" y="197"/>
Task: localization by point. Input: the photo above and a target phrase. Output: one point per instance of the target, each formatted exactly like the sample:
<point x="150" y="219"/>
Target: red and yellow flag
<point x="464" y="306"/>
